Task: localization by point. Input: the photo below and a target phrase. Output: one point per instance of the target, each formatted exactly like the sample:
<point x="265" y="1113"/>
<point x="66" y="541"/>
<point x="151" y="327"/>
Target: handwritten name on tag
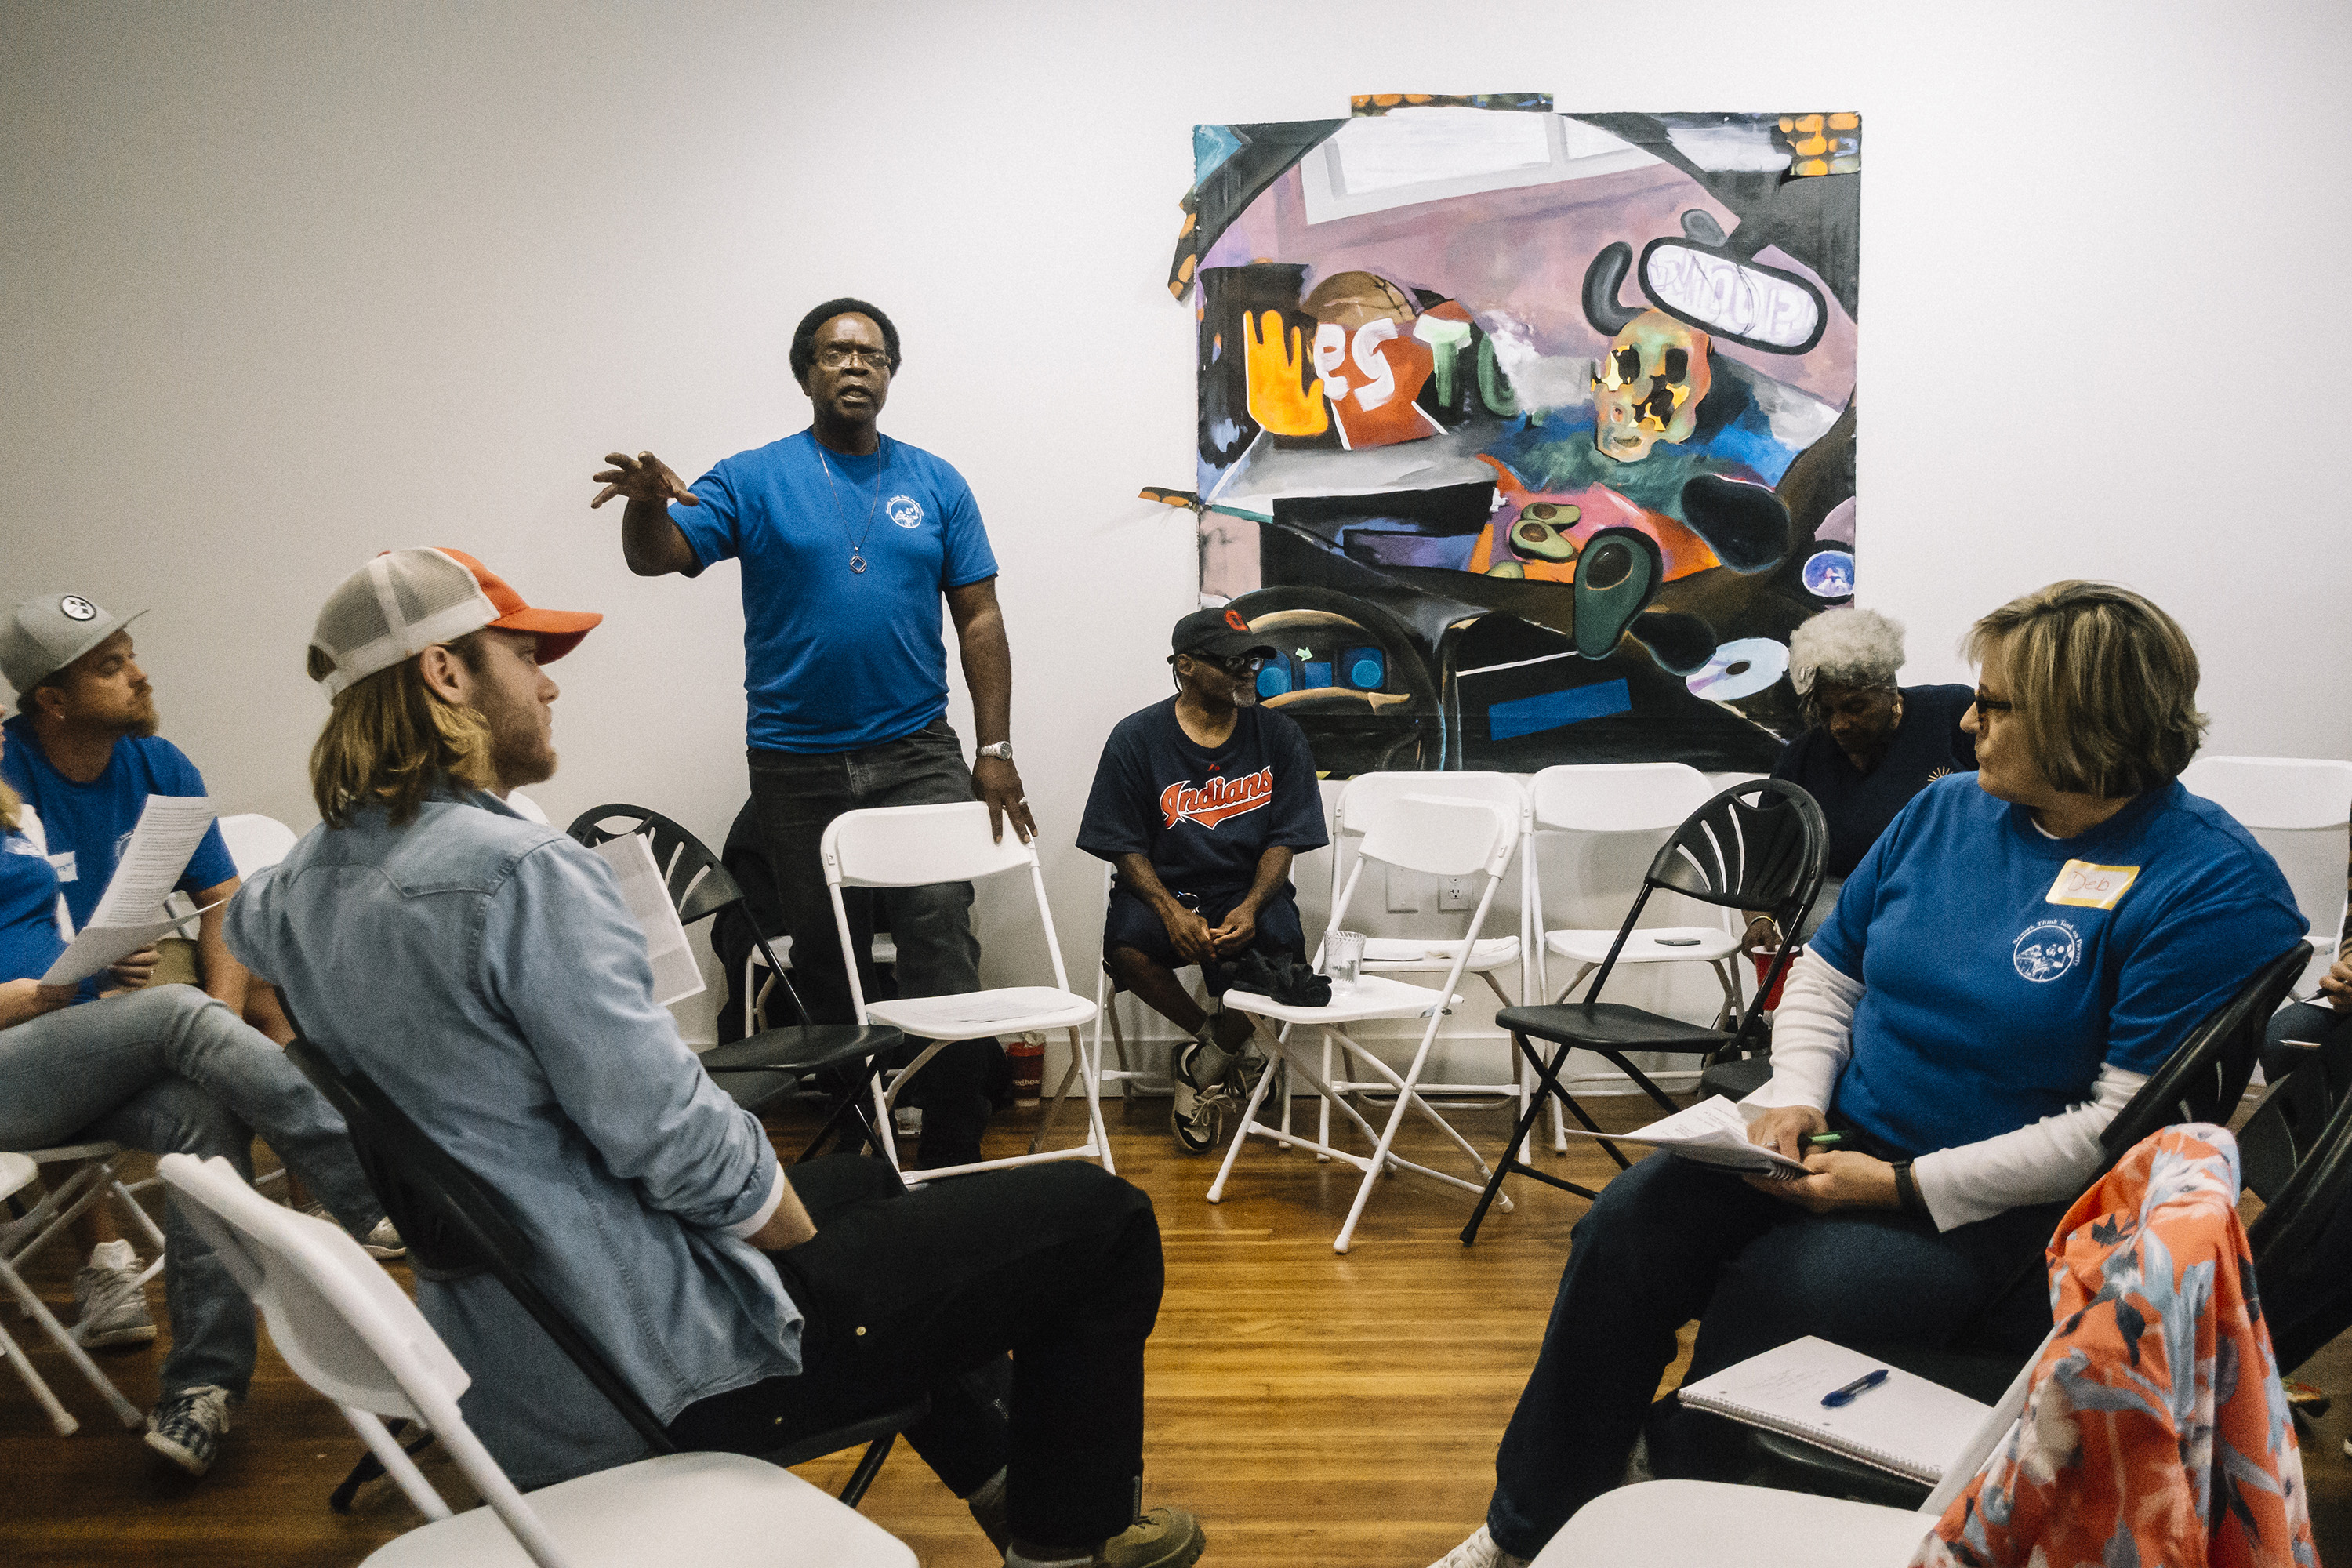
<point x="2090" y="886"/>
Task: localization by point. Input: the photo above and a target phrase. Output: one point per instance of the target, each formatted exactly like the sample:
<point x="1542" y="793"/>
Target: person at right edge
<point x="2020" y="950"/>
<point x="849" y="540"/>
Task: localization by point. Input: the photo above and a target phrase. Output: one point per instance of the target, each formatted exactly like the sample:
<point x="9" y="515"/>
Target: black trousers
<point x="910" y="1293"/>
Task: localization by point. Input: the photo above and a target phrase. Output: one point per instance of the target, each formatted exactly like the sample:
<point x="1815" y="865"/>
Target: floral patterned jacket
<point x="2155" y="1431"/>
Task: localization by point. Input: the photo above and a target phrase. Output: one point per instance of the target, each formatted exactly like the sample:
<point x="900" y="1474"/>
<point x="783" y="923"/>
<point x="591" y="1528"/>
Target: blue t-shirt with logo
<point x="2001" y="967"/>
<point x="1203" y="817"/>
<point x="89" y="824"/>
<point x="835" y="658"/>
<point x="30" y="939"/>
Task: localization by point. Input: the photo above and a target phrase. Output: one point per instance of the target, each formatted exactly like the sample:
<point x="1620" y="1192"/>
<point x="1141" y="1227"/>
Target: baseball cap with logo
<point x="405" y="601"/>
<point x="1220" y="632"/>
<point x="49" y="631"/>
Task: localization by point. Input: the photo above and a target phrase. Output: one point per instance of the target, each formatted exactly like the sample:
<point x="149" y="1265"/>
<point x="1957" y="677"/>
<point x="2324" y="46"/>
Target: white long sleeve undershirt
<point x="2050" y="1160"/>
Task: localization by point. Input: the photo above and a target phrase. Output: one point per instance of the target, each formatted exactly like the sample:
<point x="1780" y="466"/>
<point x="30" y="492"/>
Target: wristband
<point x="1906" y="1192"/>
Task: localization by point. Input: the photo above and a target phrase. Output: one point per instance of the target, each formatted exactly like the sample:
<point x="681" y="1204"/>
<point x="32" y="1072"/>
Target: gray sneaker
<point x="382" y="1241"/>
<point x="112" y="1308"/>
<point x="1196" y="1114"/>
<point x="1163" y="1538"/>
<point x="187" y="1427"/>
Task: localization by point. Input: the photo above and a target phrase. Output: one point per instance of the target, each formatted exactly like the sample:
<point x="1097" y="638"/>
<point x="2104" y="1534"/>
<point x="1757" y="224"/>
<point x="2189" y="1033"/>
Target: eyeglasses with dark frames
<point x="1993" y="704"/>
<point x="1236" y="665"/>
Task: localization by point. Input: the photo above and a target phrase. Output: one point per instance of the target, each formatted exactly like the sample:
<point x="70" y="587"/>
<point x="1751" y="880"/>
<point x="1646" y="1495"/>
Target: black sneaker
<point x="1195" y="1114"/>
<point x="187" y="1427"/>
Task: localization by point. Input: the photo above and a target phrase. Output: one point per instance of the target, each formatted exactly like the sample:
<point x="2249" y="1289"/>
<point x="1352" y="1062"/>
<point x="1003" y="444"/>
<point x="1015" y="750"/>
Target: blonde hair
<point x="2104" y="684"/>
<point x="12" y="809"/>
<point x="390" y="741"/>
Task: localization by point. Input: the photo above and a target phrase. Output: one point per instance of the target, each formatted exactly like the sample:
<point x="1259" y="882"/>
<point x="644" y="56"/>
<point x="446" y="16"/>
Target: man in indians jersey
<point x="1200" y="800"/>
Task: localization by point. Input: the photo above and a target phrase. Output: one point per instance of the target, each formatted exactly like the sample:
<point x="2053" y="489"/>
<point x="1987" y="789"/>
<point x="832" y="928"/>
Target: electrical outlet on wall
<point x="1453" y="892"/>
<point x="1405" y="892"/>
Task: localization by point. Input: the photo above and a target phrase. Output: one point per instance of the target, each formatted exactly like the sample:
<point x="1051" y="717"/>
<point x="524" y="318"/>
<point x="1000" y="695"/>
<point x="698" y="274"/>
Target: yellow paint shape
<point x="2089" y="887"/>
<point x="1846" y="121"/>
<point x="1810" y="122"/>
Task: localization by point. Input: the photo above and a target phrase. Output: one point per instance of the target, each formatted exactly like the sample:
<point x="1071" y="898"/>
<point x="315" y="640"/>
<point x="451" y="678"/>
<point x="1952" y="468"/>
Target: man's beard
<point x="520" y="753"/>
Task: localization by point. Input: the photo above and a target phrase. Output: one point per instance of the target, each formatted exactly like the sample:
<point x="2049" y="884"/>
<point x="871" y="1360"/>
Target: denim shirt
<point x="484" y="970"/>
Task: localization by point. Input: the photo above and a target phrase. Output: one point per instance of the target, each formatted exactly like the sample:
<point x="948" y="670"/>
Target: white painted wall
<point x="289" y="284"/>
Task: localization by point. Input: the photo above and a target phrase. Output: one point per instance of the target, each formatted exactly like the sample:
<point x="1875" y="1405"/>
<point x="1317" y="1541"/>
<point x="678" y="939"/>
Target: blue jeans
<point x="794" y="795"/>
<point x="1669" y="1241"/>
<point x="171" y="1070"/>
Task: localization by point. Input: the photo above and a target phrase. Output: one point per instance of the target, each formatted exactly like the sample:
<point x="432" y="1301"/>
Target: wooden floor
<point x="1313" y="1409"/>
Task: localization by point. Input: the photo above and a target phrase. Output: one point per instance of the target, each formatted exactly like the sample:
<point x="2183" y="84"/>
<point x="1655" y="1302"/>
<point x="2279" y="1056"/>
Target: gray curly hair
<point x="1845" y="648"/>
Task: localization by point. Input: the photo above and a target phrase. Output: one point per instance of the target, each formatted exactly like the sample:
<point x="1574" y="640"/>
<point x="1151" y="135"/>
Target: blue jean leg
<point x="1670" y="1241"/>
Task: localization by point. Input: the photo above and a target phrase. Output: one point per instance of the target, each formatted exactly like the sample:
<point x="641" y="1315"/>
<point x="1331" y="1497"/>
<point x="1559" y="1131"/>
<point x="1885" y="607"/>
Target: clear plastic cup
<point x="1343" y="957"/>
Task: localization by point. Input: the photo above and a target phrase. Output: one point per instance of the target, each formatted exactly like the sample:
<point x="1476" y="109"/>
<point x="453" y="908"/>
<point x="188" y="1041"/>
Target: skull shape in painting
<point x="1647" y="387"/>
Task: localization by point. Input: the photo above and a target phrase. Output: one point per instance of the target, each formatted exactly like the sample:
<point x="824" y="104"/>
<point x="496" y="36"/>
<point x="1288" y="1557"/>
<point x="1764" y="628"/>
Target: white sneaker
<point x="1479" y="1551"/>
<point x="382" y="1241"/>
<point x="187" y="1427"/>
<point x="112" y="1308"/>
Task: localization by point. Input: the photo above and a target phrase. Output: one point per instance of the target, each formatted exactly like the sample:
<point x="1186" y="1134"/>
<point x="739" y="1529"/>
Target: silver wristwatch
<point x="1001" y="751"/>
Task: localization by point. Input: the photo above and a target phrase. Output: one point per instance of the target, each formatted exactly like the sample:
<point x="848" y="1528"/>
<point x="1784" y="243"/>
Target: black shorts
<point x="1132" y="922"/>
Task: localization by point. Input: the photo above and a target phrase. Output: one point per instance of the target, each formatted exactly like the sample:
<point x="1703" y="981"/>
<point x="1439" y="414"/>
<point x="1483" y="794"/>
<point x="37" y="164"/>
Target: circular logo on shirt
<point x="906" y="511"/>
<point x="78" y="608"/>
<point x="2045" y="950"/>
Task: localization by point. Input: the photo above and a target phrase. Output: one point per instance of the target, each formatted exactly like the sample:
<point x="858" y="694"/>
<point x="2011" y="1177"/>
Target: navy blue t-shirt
<point x="2001" y="967"/>
<point x="88" y="824"/>
<point x="1203" y="817"/>
<point x="1927" y="744"/>
<point x="835" y="660"/>
<point x="30" y="939"/>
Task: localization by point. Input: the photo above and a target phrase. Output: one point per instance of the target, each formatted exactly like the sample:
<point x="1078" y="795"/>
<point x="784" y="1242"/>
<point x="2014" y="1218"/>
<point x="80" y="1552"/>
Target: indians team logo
<point x="1216" y="800"/>
<point x="905" y="510"/>
<point x="2045" y="950"/>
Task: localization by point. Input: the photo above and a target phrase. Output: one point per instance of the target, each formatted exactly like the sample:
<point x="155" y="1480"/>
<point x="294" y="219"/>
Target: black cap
<point x="1219" y="632"/>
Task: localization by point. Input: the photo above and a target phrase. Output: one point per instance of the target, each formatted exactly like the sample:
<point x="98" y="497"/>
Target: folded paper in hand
<point x="130" y="913"/>
<point x="1712" y="1132"/>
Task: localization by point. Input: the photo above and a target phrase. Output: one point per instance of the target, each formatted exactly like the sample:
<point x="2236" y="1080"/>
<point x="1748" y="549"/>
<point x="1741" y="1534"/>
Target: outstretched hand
<point x="642" y="478"/>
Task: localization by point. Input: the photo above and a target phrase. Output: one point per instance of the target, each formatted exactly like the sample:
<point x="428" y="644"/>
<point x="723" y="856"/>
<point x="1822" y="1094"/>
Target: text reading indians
<point x="1216" y="800"/>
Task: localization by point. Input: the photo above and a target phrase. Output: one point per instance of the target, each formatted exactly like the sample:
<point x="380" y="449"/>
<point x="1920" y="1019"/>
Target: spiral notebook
<point x="1907" y="1424"/>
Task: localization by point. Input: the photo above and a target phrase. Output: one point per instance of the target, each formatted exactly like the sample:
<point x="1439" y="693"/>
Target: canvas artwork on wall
<point x="1527" y="436"/>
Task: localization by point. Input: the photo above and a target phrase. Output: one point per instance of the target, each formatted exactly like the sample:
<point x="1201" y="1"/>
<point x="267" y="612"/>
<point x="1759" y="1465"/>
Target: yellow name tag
<point x="2092" y="886"/>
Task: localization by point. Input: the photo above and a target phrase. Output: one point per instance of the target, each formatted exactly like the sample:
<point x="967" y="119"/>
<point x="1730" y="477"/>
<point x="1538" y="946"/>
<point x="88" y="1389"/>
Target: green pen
<point x="1823" y="1139"/>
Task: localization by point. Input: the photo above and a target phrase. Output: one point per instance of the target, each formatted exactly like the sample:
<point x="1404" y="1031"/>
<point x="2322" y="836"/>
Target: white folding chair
<point x="1622" y="797"/>
<point x="254" y="841"/>
<point x="17" y="1173"/>
<point x="2296" y="808"/>
<point x="1362" y="802"/>
<point x="348" y="1330"/>
<point x="1704" y="1524"/>
<point x="1439" y="836"/>
<point x="914" y="845"/>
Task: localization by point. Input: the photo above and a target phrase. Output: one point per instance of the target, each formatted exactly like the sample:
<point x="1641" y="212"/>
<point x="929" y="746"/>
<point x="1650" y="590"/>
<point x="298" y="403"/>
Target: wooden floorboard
<point x="1314" y="1409"/>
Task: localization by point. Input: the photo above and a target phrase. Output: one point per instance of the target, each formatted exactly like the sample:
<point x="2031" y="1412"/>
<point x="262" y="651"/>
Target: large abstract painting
<point x="1527" y="436"/>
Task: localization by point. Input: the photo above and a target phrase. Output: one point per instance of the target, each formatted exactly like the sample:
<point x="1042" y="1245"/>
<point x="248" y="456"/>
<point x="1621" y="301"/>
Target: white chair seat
<point x="710" y="1509"/>
<point x="1007" y="1010"/>
<point x="15" y="1172"/>
<point x="1370" y="997"/>
<point x="1413" y="955"/>
<point x="1647" y="944"/>
<point x="1707" y="1524"/>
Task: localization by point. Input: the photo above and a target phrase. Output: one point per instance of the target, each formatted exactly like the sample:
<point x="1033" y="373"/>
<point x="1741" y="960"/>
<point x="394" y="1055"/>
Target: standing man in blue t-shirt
<point x="1200" y="800"/>
<point x="848" y="542"/>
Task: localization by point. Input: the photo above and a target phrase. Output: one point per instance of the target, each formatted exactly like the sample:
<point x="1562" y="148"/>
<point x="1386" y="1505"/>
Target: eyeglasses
<point x="1992" y="704"/>
<point x="835" y="358"/>
<point x="1236" y="664"/>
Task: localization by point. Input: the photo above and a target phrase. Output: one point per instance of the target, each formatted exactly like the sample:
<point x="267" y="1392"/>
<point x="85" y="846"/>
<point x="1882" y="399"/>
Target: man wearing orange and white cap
<point x="485" y="972"/>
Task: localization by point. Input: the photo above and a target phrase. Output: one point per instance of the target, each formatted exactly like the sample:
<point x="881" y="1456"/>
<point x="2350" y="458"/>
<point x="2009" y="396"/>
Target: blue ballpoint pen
<point x="1838" y="1397"/>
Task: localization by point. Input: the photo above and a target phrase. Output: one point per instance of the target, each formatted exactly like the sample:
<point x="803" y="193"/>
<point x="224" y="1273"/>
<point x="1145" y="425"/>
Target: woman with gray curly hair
<point x="1869" y="745"/>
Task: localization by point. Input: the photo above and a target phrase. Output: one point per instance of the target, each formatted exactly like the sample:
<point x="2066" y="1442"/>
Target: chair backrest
<point x="1442" y="834"/>
<point x="456" y="1224"/>
<point x="2290" y="1122"/>
<point x="1366" y="796"/>
<point x="2205" y="1075"/>
<point x="1617" y="797"/>
<point x="347" y="1330"/>
<point x="915" y="846"/>
<point x="2296" y="807"/>
<point x="254" y="841"/>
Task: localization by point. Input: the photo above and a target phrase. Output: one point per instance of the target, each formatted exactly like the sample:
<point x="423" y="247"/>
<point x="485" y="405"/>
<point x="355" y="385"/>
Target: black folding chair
<point x="760" y="1070"/>
<point x="2201" y="1080"/>
<point x="1755" y="846"/>
<point x="457" y="1226"/>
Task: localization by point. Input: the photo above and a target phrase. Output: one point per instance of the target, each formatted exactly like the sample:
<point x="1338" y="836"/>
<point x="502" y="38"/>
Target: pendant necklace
<point x="857" y="543"/>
